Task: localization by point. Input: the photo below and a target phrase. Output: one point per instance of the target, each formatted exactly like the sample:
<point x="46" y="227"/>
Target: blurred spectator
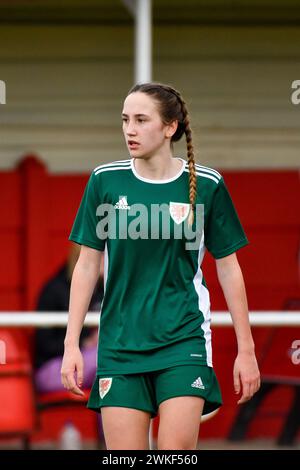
<point x="49" y="342"/>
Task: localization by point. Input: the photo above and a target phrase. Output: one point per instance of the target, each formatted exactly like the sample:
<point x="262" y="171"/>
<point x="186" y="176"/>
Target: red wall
<point x="37" y="211"/>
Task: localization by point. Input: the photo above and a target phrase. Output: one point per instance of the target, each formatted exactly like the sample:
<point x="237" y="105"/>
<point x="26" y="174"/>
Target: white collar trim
<point x="163" y="181"/>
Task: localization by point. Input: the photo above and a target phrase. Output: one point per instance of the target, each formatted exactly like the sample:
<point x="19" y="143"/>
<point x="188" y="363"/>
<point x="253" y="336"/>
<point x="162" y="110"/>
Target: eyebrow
<point x="136" y="115"/>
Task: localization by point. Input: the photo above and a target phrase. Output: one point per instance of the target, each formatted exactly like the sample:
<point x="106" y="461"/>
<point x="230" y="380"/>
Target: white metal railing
<point x="50" y="319"/>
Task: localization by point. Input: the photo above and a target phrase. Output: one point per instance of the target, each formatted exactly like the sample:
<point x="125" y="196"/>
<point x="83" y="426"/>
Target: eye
<point x="141" y="120"/>
<point x="124" y="119"/>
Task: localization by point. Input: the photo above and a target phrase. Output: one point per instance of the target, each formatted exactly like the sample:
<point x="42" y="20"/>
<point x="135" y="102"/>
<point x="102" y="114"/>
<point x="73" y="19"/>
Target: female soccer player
<point x="154" y="215"/>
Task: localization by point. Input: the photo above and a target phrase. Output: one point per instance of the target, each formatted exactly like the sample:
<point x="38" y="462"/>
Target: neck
<point x="158" y="167"/>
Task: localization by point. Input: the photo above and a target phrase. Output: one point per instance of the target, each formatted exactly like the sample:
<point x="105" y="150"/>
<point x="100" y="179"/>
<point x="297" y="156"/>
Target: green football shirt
<point x="155" y="311"/>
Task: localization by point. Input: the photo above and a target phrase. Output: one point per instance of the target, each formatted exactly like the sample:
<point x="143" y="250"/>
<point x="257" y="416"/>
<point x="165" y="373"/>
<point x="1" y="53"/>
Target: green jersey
<point x="155" y="311"/>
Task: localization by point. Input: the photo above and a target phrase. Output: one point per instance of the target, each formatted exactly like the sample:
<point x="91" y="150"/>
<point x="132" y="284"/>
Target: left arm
<point x="245" y="372"/>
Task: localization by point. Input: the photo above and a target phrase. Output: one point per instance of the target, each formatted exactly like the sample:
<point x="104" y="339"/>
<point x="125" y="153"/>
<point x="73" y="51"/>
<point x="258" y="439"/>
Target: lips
<point x="132" y="145"/>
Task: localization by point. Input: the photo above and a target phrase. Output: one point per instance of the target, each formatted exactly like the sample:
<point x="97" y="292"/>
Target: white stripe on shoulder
<point x="115" y="163"/>
<point x="112" y="168"/>
<point x="208" y="170"/>
<point x="206" y="175"/>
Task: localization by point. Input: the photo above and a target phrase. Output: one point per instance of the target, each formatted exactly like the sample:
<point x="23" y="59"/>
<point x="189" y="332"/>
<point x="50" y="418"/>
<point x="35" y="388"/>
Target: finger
<point x="258" y="384"/>
<point x="243" y="399"/>
<point x="76" y="390"/>
<point x="246" y="394"/>
<point x="80" y="375"/>
<point x="236" y="382"/>
<point x="253" y="388"/>
<point x="68" y="380"/>
<point x="63" y="379"/>
<point x="72" y="386"/>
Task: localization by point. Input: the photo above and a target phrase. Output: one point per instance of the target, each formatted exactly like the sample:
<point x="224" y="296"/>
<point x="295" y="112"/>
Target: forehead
<point x="140" y="103"/>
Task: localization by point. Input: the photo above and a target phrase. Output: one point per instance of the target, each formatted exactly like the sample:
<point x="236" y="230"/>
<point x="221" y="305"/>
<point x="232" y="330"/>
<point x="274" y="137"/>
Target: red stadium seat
<point x="18" y="415"/>
<point x="61" y="398"/>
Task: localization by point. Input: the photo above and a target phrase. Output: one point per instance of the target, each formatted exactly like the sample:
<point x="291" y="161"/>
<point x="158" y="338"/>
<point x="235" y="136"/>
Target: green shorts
<point x="147" y="390"/>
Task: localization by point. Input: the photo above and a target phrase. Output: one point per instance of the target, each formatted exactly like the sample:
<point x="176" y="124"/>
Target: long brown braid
<point x="191" y="162"/>
<point x="173" y="107"/>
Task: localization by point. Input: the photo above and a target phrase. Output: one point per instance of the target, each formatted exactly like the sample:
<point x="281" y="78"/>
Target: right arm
<point x="85" y="276"/>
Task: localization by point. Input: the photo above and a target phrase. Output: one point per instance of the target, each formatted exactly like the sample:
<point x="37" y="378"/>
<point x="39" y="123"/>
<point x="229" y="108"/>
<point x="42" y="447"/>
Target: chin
<point x="134" y="154"/>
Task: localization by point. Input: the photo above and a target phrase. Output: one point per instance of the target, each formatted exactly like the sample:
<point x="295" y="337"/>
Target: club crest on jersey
<point x="104" y="386"/>
<point x="179" y="211"/>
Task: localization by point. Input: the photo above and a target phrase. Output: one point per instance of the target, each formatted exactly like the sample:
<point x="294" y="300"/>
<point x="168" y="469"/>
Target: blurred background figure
<point x="49" y="342"/>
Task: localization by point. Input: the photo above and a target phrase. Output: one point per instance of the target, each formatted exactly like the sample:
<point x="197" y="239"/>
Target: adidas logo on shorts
<point x="198" y="383"/>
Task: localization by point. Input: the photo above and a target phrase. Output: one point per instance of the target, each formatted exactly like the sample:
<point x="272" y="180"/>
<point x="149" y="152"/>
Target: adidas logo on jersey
<point x="198" y="383"/>
<point x="122" y="203"/>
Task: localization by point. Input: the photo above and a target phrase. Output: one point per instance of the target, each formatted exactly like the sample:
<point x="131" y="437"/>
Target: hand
<point x="72" y="361"/>
<point x="246" y="374"/>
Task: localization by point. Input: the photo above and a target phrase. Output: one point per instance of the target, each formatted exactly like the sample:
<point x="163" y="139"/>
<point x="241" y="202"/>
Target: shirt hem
<point x="105" y="372"/>
<point x="231" y="249"/>
<point x="85" y="242"/>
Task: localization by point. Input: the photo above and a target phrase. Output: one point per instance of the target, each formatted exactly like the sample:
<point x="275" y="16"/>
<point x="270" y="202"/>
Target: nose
<point x="130" y="128"/>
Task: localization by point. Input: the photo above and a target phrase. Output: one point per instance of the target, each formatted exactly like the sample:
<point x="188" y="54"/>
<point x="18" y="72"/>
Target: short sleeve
<point x="223" y="232"/>
<point x="84" y="230"/>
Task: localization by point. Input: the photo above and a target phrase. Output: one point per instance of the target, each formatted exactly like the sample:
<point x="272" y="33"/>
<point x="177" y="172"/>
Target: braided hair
<point x="173" y="107"/>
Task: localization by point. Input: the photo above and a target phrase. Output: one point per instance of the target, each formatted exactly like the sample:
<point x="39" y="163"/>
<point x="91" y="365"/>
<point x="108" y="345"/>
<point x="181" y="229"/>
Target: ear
<point x="171" y="129"/>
